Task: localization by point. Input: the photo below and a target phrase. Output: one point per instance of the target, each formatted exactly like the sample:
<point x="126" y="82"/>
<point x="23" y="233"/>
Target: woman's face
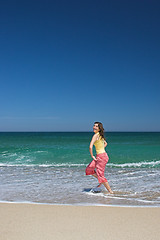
<point x="95" y="128"/>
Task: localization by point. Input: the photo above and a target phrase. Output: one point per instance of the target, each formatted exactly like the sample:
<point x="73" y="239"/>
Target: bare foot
<point x="111" y="192"/>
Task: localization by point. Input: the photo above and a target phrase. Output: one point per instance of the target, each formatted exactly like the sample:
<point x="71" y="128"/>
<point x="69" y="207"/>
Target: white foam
<point x="40" y="151"/>
<point x="123" y="165"/>
<point x="126" y="198"/>
<point x="80" y="204"/>
<point x="42" y="165"/>
<point x="139" y="164"/>
<point x="136" y="177"/>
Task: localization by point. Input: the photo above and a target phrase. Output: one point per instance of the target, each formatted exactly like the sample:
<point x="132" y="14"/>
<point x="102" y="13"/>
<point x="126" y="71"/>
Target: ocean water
<point x="50" y="168"/>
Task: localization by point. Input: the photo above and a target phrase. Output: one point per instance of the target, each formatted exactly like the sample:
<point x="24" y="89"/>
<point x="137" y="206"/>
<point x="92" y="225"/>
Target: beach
<point x="45" y="222"/>
<point x="44" y="193"/>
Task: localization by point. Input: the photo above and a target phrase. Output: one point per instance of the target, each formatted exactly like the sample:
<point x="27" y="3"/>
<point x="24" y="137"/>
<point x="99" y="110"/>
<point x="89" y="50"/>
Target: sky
<point x="65" y="64"/>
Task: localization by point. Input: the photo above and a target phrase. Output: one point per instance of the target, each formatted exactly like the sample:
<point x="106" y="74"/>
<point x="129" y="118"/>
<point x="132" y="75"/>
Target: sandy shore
<point x="46" y="222"/>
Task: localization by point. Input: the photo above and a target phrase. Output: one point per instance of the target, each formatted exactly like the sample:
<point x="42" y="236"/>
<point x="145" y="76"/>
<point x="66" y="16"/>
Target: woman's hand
<point x="94" y="158"/>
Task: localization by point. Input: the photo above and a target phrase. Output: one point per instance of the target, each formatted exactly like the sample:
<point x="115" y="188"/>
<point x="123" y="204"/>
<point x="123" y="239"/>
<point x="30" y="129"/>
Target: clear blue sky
<point x="65" y="64"/>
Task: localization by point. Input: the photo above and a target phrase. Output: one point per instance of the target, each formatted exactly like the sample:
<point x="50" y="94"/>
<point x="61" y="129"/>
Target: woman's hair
<point x="101" y="129"/>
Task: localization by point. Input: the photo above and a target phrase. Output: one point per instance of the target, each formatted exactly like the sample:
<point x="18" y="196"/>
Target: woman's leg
<point x="102" y="160"/>
<point x="106" y="184"/>
<point x="95" y="175"/>
<point x="90" y="170"/>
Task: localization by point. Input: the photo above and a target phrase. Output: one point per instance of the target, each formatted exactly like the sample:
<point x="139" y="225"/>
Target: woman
<point x="99" y="162"/>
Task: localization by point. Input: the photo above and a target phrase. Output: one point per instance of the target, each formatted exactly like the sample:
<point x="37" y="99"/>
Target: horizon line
<point x="76" y="131"/>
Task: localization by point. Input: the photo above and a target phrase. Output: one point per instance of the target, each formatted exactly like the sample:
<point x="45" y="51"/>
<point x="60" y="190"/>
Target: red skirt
<point x="98" y="167"/>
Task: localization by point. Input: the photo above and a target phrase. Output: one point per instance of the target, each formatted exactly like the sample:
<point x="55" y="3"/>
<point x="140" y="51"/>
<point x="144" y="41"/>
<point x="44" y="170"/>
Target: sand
<point x="59" y="222"/>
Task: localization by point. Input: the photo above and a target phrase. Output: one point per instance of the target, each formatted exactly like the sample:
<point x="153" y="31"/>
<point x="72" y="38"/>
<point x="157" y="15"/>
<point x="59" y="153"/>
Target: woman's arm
<point x="105" y="144"/>
<point x="94" y="138"/>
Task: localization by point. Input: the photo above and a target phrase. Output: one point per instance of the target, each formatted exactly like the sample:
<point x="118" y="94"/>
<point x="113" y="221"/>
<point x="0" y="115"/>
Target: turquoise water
<point x="49" y="167"/>
<point x="71" y="149"/>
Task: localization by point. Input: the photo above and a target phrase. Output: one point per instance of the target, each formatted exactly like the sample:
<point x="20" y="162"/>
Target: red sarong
<point x="99" y="165"/>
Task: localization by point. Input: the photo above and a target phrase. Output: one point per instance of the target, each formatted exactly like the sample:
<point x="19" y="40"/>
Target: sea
<point x="49" y="168"/>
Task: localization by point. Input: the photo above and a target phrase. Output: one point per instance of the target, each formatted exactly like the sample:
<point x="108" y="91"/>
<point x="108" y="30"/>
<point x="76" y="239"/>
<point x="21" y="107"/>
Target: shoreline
<point x="29" y="221"/>
<point x="79" y="204"/>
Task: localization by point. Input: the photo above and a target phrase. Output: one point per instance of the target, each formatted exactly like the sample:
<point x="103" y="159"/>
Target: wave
<point x="110" y="165"/>
<point x="43" y="165"/>
<point x="135" y="165"/>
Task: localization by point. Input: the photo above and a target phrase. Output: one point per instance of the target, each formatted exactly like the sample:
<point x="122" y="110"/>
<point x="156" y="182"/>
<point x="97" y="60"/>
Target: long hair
<point x="101" y="129"/>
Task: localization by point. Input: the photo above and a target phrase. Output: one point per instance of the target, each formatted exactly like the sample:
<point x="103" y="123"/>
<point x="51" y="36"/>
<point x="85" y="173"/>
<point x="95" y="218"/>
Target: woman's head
<point x="98" y="127"/>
